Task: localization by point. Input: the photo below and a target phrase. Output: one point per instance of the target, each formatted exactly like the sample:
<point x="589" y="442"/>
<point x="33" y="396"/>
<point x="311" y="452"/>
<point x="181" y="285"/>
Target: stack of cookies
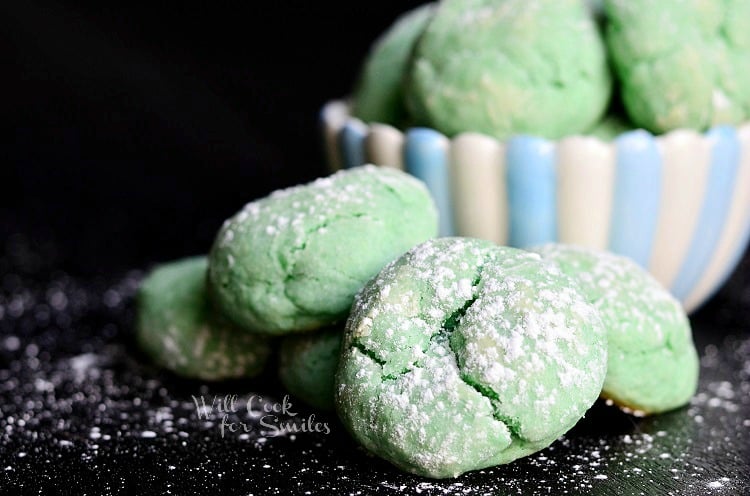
<point x="556" y="68"/>
<point x="441" y="355"/>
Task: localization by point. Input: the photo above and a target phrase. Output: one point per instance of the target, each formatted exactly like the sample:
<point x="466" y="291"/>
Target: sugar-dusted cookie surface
<point x="681" y="63"/>
<point x="178" y="329"/>
<point x="292" y="261"/>
<point x="378" y="95"/>
<point x="462" y="355"/>
<point x="307" y="365"/>
<point x="505" y="67"/>
<point x="653" y="364"/>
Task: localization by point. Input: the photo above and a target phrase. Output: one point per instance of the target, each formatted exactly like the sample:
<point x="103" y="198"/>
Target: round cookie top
<point x="179" y="330"/>
<point x="505" y="67"/>
<point x="652" y="365"/>
<point x="307" y="365"/>
<point x="378" y="96"/>
<point x="292" y="261"/>
<point x="462" y="355"/>
<point x="681" y="63"/>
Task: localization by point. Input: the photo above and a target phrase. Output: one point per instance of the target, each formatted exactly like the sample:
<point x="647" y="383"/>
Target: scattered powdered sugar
<point x="11" y="343"/>
<point x="70" y="384"/>
<point x="75" y="396"/>
<point x="717" y="484"/>
<point x="81" y="365"/>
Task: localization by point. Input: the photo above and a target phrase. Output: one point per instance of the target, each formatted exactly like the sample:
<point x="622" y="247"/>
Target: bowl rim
<point x="337" y="113"/>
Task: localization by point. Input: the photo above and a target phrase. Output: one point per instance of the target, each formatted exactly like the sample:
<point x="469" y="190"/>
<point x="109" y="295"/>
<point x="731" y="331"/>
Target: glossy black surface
<point x="83" y="411"/>
<point x="129" y="134"/>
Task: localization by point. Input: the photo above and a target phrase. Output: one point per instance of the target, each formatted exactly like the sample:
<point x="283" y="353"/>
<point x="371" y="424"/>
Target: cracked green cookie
<point x="681" y="63"/>
<point x="506" y="67"/>
<point x="462" y="355"/>
<point x="307" y="365"/>
<point x="378" y="96"/>
<point x="652" y="365"/>
<point x="292" y="261"/>
<point x="177" y="328"/>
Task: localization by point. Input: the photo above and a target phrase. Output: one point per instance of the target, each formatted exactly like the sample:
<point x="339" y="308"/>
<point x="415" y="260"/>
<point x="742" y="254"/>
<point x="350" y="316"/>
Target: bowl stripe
<point x="478" y="187"/>
<point x="735" y="236"/>
<point x="686" y="158"/>
<point x="636" y="196"/>
<point x="333" y="117"/>
<point x="426" y="157"/>
<point x="532" y="191"/>
<point x="715" y="207"/>
<point x="384" y="146"/>
<point x="352" y="143"/>
<point x="586" y="175"/>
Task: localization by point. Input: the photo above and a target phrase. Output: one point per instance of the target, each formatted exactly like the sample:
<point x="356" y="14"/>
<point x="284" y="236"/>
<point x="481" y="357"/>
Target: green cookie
<point x="178" y="330"/>
<point x="378" y="96"/>
<point x="462" y="355"/>
<point x="307" y="366"/>
<point x="682" y="63"/>
<point x="653" y="365"/>
<point x="506" y="67"/>
<point x="293" y="260"/>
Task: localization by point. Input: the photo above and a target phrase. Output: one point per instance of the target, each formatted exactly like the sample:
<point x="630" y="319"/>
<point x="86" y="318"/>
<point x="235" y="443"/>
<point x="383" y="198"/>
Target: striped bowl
<point x="678" y="204"/>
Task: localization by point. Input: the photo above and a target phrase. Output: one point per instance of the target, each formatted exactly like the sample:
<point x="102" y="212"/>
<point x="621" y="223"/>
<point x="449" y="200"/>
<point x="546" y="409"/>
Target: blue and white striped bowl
<point x="678" y="204"/>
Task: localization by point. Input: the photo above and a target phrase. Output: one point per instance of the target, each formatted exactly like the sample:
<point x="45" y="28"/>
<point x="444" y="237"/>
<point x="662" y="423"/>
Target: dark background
<point x="129" y="132"/>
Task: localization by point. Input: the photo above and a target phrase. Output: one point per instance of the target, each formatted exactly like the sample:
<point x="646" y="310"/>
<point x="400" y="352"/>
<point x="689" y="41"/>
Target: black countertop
<point x="83" y="412"/>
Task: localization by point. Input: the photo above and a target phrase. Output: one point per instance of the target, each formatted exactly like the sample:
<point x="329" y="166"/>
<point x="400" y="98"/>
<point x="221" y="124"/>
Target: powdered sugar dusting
<point x="314" y="203"/>
<point x="89" y="431"/>
<point x="494" y="333"/>
<point x="638" y="309"/>
<point x="274" y="265"/>
<point x="646" y="326"/>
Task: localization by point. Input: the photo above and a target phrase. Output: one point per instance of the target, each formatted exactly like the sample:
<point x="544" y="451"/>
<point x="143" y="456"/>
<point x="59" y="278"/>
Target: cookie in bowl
<point x="377" y="93"/>
<point x="681" y="64"/>
<point x="675" y="200"/>
<point x="510" y="67"/>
